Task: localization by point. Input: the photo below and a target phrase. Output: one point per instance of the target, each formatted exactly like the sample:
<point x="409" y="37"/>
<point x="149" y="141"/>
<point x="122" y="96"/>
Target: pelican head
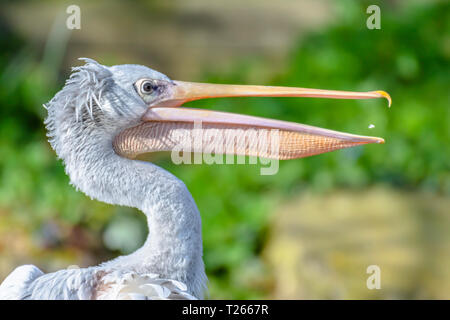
<point x="135" y="110"/>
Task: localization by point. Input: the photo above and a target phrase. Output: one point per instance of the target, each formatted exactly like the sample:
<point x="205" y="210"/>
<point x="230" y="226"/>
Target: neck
<point x="173" y="248"/>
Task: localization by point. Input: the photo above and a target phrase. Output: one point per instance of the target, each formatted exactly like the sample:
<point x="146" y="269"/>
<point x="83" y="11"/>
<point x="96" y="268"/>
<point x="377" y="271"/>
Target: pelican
<point x="102" y="120"/>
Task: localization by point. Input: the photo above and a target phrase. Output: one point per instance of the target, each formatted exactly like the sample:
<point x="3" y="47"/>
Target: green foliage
<point x="408" y="58"/>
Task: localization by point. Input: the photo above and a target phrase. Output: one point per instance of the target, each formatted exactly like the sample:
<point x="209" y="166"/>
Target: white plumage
<point x="28" y="282"/>
<point x="18" y="281"/>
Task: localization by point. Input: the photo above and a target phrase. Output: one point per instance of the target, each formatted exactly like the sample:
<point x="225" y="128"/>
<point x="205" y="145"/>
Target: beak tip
<point x="386" y="95"/>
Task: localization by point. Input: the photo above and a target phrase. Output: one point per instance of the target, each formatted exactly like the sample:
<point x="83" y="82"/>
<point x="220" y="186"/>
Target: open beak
<point x="165" y="128"/>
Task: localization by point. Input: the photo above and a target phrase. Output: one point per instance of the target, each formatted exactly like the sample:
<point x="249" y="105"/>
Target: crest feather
<point x="80" y="93"/>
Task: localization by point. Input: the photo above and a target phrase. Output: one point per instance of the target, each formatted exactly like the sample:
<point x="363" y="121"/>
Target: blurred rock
<point x="321" y="246"/>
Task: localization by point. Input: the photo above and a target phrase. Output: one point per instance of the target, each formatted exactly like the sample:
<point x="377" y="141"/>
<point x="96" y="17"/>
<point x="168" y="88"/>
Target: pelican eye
<point x="147" y="87"/>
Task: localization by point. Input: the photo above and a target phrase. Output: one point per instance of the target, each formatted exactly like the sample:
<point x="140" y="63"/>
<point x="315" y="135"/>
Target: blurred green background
<point x="308" y="232"/>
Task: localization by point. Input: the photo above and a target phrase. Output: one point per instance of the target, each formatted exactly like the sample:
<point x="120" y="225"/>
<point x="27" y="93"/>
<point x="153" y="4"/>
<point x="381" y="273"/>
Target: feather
<point x="130" y="286"/>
